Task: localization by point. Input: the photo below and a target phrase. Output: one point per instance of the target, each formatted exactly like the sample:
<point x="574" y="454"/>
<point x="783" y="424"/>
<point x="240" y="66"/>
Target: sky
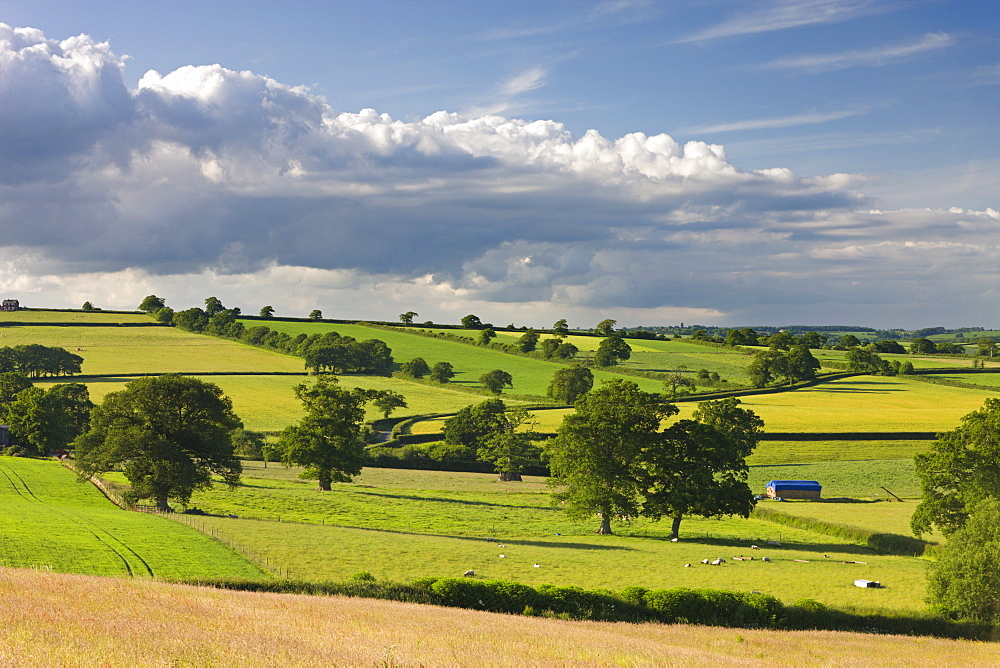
<point x="657" y="162"/>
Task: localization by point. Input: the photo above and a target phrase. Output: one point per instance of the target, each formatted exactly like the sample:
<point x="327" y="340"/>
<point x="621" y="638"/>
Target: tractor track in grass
<point x="90" y="527"/>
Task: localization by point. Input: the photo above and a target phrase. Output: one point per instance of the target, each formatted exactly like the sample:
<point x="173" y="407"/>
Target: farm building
<point x="794" y="489"/>
<point x="10" y="305"/>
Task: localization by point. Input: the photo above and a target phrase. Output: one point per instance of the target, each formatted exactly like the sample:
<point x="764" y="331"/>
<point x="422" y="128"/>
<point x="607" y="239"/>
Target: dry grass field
<point x="48" y="619"/>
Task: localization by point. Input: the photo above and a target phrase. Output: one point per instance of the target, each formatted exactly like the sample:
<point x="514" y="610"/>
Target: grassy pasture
<point x="71" y="317"/>
<point x="49" y="520"/>
<point x="116" y="622"/>
<point x="888" y="516"/>
<point x="806" y="452"/>
<point x="434" y="523"/>
<point x="531" y="376"/>
<point x="988" y="379"/>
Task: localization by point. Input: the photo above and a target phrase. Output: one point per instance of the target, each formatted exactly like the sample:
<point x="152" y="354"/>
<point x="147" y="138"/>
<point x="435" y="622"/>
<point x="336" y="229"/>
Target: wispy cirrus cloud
<point x="786" y="14"/>
<point x="625" y="11"/>
<point x="883" y="55"/>
<point x="529" y="80"/>
<point x="780" y="122"/>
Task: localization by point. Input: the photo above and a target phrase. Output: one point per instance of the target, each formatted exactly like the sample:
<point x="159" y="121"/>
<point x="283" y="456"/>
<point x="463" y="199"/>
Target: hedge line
<point x="889" y="543"/>
<point x="632" y="604"/>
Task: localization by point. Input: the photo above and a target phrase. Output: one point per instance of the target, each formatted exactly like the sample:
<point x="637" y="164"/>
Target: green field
<point x="531" y="376"/>
<point x="49" y="520"/>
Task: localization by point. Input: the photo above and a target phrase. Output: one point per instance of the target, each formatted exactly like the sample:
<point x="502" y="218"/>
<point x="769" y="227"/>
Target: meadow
<point x="51" y="521"/>
<point x="54" y="619"/>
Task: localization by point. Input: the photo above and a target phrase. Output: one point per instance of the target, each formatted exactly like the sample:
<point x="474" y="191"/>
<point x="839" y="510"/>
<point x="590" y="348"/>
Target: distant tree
<point x="699" y="466"/>
<point x="800" y="364"/>
<point x="987" y="347"/>
<point x="813" y="340"/>
<point x="330" y="440"/>
<point x="168" y="434"/>
<point x="407" y="318"/>
<point x="192" y="320"/>
<point x="699" y="335"/>
<point x="864" y="359"/>
<point x="213" y="306"/>
<point x="267" y="312"/>
<point x="316" y="314"/>
<point x="528" y="341"/>
<point x="781" y="340"/>
<point x="151" y="304"/>
<point x="496" y="380"/>
<point x="164" y="315"/>
<point x="922" y="347"/>
<point x="964" y="581"/>
<point x="961" y="468"/>
<point x="387" y="401"/>
<point x="415" y="368"/>
<point x="889" y="346"/>
<point x="248" y="444"/>
<point x="472" y="424"/>
<point x="561" y="327"/>
<point x="593" y="458"/>
<point x="606" y="327"/>
<point x="766" y="367"/>
<point x="678" y="382"/>
<point x="472" y="322"/>
<point x="87" y="306"/>
<point x="741" y="337"/>
<point x="848" y="341"/>
<point x="485" y="336"/>
<point x="11" y="382"/>
<point x="549" y="347"/>
<point x="565" y="351"/>
<point x="510" y="448"/>
<point x="442" y="372"/>
<point x="950" y="348"/>
<point x="905" y="368"/>
<point x="612" y="350"/>
<point x="570" y="383"/>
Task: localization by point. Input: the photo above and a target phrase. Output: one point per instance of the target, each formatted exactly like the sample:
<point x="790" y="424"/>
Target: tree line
<point x="34" y="361"/>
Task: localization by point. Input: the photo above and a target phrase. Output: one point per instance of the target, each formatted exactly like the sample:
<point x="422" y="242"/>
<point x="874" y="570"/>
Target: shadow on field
<point x="464" y="502"/>
<point x="568" y="546"/>
<point x="741" y="546"/>
<point x="855" y="388"/>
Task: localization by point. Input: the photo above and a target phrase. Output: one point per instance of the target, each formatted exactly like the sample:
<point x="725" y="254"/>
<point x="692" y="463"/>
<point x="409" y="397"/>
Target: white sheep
<point x="469" y="574"/>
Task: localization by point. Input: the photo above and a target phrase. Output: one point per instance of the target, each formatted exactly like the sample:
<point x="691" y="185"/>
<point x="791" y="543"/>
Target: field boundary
<point x="889" y="543"/>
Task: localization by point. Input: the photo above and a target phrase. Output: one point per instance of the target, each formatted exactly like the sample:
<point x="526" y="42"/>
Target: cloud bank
<point x="207" y="181"/>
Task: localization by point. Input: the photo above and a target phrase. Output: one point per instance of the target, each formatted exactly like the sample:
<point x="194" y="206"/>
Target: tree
<point x="330" y="440"/>
<point x="528" y="341"/>
<point x="593" y="457"/>
<point x="800" y="364"/>
<point x="407" y="318"/>
<point x="45" y="421"/>
<point x="678" y="382"/>
<point x="267" y="312"/>
<point x="570" y="384"/>
<point x="164" y="315"/>
<point x="213" y="306"/>
<point x="472" y="424"/>
<point x="415" y="368"/>
<point x="316" y="314"/>
<point x="964" y="581"/>
<point x="509" y="448"/>
<point x="612" y="350"/>
<point x="986" y="347"/>
<point x="781" y="340"/>
<point x="848" y="341"/>
<point x="486" y="336"/>
<point x="699" y="466"/>
<point x="889" y="346"/>
<point x="11" y="383"/>
<point x="561" y="327"/>
<point x="864" y="359"/>
<point x="169" y="434"/>
<point x="961" y="468"/>
<point x="472" y="322"/>
<point x="87" y="306"/>
<point x="151" y="304"/>
<point x="741" y="337"/>
<point x="192" y="320"/>
<point x="606" y="327"/>
<point x="496" y="380"/>
<point x="442" y="372"/>
<point x="922" y="346"/>
<point x="387" y="401"/>
<point x="248" y="444"/>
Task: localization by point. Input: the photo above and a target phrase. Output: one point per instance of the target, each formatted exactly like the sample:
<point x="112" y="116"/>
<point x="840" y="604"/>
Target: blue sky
<point x="798" y="161"/>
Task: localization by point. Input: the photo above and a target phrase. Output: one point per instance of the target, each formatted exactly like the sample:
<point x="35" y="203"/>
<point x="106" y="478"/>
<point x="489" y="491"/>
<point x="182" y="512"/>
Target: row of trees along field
<point x="42" y="421"/>
<point x="34" y="360"/>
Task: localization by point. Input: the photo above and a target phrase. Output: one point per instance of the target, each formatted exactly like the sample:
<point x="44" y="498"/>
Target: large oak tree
<point x="169" y="434"/>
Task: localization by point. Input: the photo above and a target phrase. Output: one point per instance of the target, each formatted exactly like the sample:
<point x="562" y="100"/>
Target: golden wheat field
<point x="49" y="619"/>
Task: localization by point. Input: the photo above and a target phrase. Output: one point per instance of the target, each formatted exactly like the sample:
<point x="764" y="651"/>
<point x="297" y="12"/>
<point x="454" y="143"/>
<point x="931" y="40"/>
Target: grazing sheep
<point x="774" y="543"/>
<point x="754" y="547"/>
<point x="719" y="562"/>
<point x="704" y="561"/>
<point x="767" y="559"/>
<point x="469" y="574"/>
<point x="503" y="556"/>
<point x="687" y="565"/>
<point x="674" y="540"/>
<point x="537" y="566"/>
